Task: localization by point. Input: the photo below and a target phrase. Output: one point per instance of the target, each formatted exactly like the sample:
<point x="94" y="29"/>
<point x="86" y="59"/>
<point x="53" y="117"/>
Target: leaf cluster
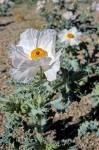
<point x="88" y="126"/>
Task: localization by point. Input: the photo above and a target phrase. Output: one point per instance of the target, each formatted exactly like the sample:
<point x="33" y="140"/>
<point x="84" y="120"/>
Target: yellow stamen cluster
<point x="38" y="52"/>
<point x="70" y="35"/>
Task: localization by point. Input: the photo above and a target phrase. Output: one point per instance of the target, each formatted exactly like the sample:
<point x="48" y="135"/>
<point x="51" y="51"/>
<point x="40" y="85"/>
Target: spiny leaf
<point x="88" y="126"/>
<point x="94" y="96"/>
<point x="78" y="75"/>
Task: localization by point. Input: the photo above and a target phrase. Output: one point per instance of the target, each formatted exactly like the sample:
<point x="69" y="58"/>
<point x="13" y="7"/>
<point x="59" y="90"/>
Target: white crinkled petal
<point x="28" y="40"/>
<point x="25" y="76"/>
<point x="46" y="41"/>
<point x="62" y="35"/>
<point x="34" y="63"/>
<point x="57" y="56"/>
<point x="78" y="35"/>
<point x="73" y="30"/>
<point x="49" y="66"/>
<point x="74" y="42"/>
<point x="43" y="61"/>
<point x="16" y="62"/>
<point x="17" y="52"/>
<point x="25" y="70"/>
<point x="51" y="73"/>
<point x="67" y="41"/>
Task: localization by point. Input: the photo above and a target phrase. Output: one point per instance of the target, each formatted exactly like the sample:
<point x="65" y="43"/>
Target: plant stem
<point x="40" y="125"/>
<point x="58" y="85"/>
<point x="41" y="75"/>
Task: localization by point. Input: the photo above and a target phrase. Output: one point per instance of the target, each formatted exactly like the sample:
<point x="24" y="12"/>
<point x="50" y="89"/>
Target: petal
<point x="25" y="76"/>
<point x="74" y="42"/>
<point x="51" y="73"/>
<point x="78" y="35"/>
<point x="54" y="66"/>
<point x="16" y="52"/>
<point x="72" y="30"/>
<point x="27" y="69"/>
<point x="62" y="35"/>
<point x="34" y="63"/>
<point x="28" y="40"/>
<point x="50" y="64"/>
<point x="16" y="62"/>
<point x="57" y="56"/>
<point x="46" y="41"/>
<point x="43" y="61"/>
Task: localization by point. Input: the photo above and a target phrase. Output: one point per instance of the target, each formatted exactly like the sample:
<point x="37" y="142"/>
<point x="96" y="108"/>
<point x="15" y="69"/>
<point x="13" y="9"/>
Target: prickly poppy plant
<point x="54" y="71"/>
<point x="35" y="50"/>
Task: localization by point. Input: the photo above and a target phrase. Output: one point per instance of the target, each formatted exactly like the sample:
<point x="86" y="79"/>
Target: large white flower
<point x="70" y="37"/>
<point x="35" y="49"/>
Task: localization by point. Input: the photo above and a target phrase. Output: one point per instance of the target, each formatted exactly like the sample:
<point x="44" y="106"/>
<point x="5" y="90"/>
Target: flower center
<point x="38" y="52"/>
<point x="70" y="35"/>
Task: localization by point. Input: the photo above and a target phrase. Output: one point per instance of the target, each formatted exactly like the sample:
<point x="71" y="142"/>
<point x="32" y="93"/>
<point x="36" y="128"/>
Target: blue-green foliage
<point x="91" y="126"/>
<point x="5" y="9"/>
<point x="33" y="106"/>
<point x="94" y="96"/>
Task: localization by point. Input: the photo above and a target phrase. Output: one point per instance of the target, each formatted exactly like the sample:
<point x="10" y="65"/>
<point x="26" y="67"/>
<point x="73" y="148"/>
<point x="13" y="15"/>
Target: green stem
<point x="58" y="85"/>
<point x="40" y="126"/>
<point x="41" y="75"/>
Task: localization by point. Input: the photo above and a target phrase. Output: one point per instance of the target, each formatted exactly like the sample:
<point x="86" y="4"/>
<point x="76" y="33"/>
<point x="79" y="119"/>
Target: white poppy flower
<point x="69" y="15"/>
<point x="95" y="5"/>
<point x="70" y="37"/>
<point x="35" y="49"/>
